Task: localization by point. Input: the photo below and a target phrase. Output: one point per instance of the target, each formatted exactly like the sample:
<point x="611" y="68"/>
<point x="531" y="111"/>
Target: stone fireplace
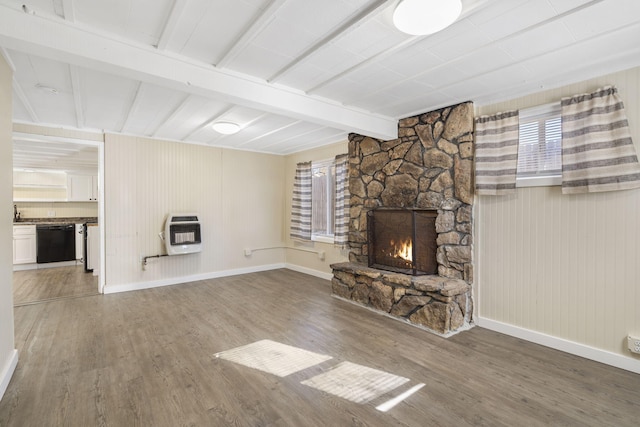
<point x="428" y="167"/>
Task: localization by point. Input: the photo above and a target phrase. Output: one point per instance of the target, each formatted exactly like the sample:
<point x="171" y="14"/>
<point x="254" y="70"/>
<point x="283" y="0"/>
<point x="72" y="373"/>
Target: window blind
<point x="540" y="142"/>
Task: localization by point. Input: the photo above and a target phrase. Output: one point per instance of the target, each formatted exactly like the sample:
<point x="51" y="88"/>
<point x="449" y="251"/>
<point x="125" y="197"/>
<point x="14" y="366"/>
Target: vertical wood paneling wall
<point x="237" y="196"/>
<point x="8" y="355"/>
<point x="567" y="266"/>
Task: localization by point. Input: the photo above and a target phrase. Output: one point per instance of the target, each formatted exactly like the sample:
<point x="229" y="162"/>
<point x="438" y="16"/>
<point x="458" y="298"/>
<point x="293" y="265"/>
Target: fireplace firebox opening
<point x="403" y="240"/>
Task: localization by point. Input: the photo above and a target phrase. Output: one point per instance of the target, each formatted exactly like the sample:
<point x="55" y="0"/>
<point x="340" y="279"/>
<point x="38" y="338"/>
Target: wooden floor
<point x="147" y="358"/>
<point x="46" y="284"/>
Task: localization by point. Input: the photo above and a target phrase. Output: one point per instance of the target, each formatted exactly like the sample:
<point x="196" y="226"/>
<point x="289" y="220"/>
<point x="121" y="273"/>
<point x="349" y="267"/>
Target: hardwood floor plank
<point x="147" y="358"/>
<point x="45" y="284"/>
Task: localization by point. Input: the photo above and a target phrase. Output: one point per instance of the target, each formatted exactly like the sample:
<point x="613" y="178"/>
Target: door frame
<point x="101" y="208"/>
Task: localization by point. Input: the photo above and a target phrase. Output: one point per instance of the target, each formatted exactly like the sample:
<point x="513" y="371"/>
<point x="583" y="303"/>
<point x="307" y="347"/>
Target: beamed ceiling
<point x="295" y="74"/>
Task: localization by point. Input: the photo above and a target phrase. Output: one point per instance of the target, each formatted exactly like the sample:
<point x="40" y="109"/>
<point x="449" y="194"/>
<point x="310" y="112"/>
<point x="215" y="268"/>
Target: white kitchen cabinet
<point x="82" y="188"/>
<point x="24" y="244"/>
<point x="39" y="186"/>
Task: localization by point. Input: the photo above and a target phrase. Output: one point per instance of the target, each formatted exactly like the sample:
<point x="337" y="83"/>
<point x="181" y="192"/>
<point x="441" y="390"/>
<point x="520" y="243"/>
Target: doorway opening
<point x="57" y="188"/>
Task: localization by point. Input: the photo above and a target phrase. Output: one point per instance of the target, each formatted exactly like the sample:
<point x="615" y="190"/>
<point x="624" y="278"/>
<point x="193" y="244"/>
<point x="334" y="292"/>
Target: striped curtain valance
<point x="301" y="203"/>
<point x="597" y="151"/>
<point x="496" y="153"/>
<point x="341" y="232"/>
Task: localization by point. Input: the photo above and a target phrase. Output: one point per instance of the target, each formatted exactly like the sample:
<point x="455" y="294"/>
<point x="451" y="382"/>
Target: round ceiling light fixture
<point x="422" y="17"/>
<point x="226" y="128"/>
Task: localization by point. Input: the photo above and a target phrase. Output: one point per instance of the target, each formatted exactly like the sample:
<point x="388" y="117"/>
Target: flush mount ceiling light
<point x="422" y="17"/>
<point x="226" y="128"/>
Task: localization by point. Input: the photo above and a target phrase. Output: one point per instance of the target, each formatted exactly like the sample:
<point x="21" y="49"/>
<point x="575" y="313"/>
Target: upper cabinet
<point x="54" y="187"/>
<point x="39" y="186"/>
<point x="82" y="188"/>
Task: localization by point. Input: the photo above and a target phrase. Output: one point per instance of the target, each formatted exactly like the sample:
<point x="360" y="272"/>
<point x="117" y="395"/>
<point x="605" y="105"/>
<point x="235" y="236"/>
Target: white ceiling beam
<point x="32" y="137"/>
<point x="77" y="95"/>
<point x="246" y="124"/>
<point x="170" y="25"/>
<point x="350" y="24"/>
<point x="130" y="107"/>
<point x="17" y="89"/>
<point x="294" y="137"/>
<point x="365" y="63"/>
<point x="169" y="117"/>
<point x="264" y="135"/>
<point x="7" y="58"/>
<point x="329" y="139"/>
<point x="627" y="58"/>
<point x="61" y="41"/>
<point x="207" y="123"/>
<point x="69" y="10"/>
<point x="490" y="45"/>
<point x="249" y="32"/>
<point x="468" y="10"/>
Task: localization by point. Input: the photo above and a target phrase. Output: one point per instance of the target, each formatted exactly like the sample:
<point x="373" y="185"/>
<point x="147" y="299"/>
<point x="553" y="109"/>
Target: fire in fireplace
<point x="403" y="240"/>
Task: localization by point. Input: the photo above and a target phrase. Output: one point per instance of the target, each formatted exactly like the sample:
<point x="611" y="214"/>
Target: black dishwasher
<point x="55" y="243"/>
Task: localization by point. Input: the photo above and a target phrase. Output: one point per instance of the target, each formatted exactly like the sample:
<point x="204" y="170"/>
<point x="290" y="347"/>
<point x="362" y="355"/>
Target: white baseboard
<point x="36" y="266"/>
<point x="113" y="289"/>
<point x="7" y="372"/>
<point x="309" y="271"/>
<point x="24" y="267"/>
<point x="602" y="356"/>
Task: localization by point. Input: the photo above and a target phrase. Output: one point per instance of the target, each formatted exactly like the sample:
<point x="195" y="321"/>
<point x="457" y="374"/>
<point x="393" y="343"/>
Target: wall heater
<point x="182" y="234"/>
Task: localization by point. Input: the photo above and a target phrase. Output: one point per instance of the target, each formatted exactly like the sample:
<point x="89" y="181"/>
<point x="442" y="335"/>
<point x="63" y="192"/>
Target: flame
<point x="403" y="249"/>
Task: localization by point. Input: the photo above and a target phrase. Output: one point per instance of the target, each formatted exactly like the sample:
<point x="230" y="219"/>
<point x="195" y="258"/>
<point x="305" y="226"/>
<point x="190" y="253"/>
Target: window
<point x="323" y="200"/>
<point x="540" y="146"/>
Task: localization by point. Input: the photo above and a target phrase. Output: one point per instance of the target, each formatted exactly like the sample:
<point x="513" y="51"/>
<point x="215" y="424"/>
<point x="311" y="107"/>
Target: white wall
<point x="253" y="207"/>
<point x="309" y="262"/>
<point x="564" y="270"/>
<point x="237" y="195"/>
<point x="8" y="353"/>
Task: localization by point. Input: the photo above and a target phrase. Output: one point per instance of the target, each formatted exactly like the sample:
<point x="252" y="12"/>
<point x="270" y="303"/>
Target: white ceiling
<point x="31" y="152"/>
<point x="295" y="74"/>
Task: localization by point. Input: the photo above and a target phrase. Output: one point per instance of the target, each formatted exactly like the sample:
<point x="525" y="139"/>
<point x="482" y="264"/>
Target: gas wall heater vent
<point x="182" y="234"/>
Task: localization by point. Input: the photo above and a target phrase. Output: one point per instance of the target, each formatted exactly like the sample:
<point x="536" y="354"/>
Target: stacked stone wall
<point x="429" y="166"/>
<point x="437" y="303"/>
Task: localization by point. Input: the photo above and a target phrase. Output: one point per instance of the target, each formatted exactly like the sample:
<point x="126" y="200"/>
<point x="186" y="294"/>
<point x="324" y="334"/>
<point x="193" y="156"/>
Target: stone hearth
<point x="440" y="304"/>
<point x="429" y="166"/>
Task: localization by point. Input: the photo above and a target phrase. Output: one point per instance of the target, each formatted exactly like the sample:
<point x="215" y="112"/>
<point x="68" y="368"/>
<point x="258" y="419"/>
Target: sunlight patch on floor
<point x="389" y="404"/>
<point x="273" y="357"/>
<point x="356" y="383"/>
<point x="350" y="381"/>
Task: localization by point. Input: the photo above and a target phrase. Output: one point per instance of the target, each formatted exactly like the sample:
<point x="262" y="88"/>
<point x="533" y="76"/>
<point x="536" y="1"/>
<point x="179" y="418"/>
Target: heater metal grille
<point x="403" y="240"/>
<point x="182" y="234"/>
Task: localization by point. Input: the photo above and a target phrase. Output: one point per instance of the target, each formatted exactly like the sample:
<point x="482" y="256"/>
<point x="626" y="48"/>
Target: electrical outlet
<point x="247" y="252"/>
<point x="51" y="213"/>
<point x="634" y="344"/>
<point x="321" y="255"/>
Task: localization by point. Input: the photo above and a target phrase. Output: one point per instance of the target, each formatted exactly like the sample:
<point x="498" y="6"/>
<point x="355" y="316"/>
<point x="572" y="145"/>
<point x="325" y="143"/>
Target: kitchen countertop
<point x="53" y="221"/>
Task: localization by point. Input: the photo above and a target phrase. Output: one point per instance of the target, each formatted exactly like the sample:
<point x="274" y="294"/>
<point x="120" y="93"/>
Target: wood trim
<point x="571" y="347"/>
<point x="112" y="289"/>
<point x="7" y="372"/>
